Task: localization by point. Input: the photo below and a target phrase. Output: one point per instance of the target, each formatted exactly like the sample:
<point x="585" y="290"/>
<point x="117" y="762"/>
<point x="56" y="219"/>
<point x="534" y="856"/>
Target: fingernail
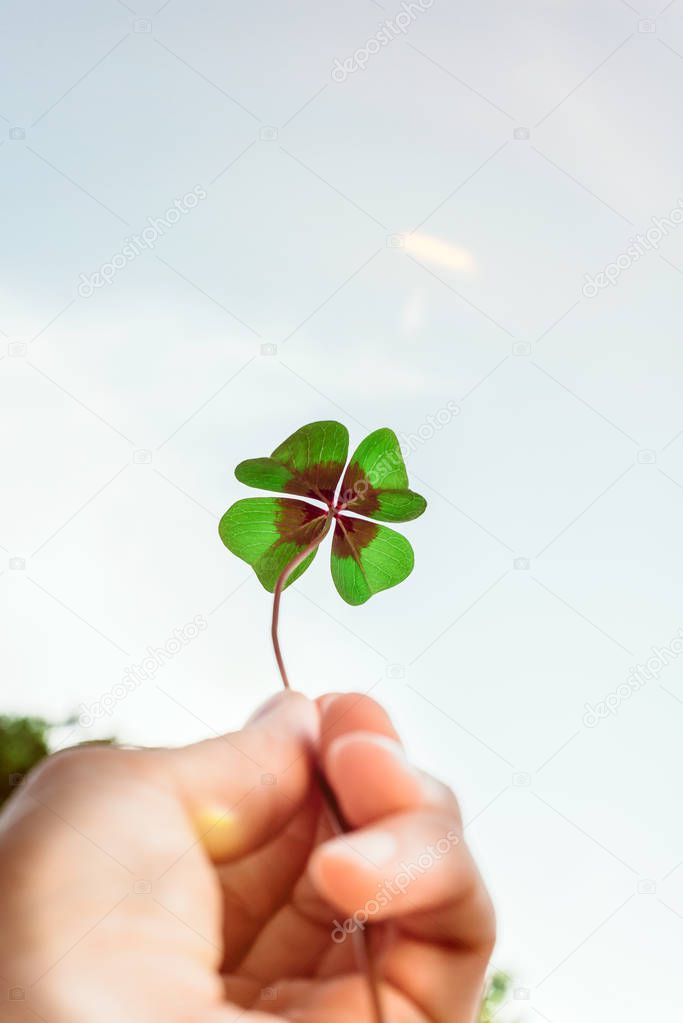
<point x="399" y="756"/>
<point x="266" y="708"/>
<point x="370" y="849"/>
<point x="291" y="711"/>
<point x="382" y="742"/>
<point x="430" y="789"/>
<point x="327" y="700"/>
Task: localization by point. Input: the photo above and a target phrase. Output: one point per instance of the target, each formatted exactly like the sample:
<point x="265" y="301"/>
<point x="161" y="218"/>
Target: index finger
<point x="360" y="751"/>
<point x="406" y="861"/>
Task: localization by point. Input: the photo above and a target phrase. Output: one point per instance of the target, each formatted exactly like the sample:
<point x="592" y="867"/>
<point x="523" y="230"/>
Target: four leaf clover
<point x="269" y="532"/>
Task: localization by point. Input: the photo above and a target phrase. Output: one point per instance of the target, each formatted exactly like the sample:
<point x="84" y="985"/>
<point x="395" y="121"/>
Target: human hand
<point x="202" y="884"/>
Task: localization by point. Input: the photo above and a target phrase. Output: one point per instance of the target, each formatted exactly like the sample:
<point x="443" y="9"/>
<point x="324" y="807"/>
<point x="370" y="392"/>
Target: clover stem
<point x="290" y="567"/>
<point x="336" y="819"/>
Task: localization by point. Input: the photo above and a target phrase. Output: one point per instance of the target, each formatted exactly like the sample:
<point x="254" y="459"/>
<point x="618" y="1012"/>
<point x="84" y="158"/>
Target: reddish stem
<point x="338" y="825"/>
<point x="279" y="587"/>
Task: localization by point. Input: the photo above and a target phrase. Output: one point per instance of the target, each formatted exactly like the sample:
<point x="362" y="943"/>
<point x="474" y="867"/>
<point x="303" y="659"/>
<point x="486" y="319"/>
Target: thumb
<point x="242" y="788"/>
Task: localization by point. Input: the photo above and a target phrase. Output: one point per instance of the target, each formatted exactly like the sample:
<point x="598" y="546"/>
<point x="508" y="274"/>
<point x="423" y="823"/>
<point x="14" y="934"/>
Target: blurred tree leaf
<point x="23" y="743"/>
<point x="497" y="990"/>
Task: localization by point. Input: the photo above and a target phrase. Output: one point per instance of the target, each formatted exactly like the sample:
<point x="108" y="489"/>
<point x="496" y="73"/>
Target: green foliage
<point x="269" y="532"/>
<point x="497" y="991"/>
<point x="23" y="742"/>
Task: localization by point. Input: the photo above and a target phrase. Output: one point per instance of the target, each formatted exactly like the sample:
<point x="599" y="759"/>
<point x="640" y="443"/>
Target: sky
<point x="461" y="221"/>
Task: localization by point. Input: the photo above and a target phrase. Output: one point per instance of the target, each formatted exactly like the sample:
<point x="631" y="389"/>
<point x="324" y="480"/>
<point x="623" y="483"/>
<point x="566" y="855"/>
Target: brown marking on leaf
<point x="299" y="523"/>
<point x="319" y="481"/>
<point x="357" y="492"/>
<point x="352" y="535"/>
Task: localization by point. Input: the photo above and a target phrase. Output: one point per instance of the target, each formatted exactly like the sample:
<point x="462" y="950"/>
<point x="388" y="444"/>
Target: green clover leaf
<point x="270" y="532"/>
